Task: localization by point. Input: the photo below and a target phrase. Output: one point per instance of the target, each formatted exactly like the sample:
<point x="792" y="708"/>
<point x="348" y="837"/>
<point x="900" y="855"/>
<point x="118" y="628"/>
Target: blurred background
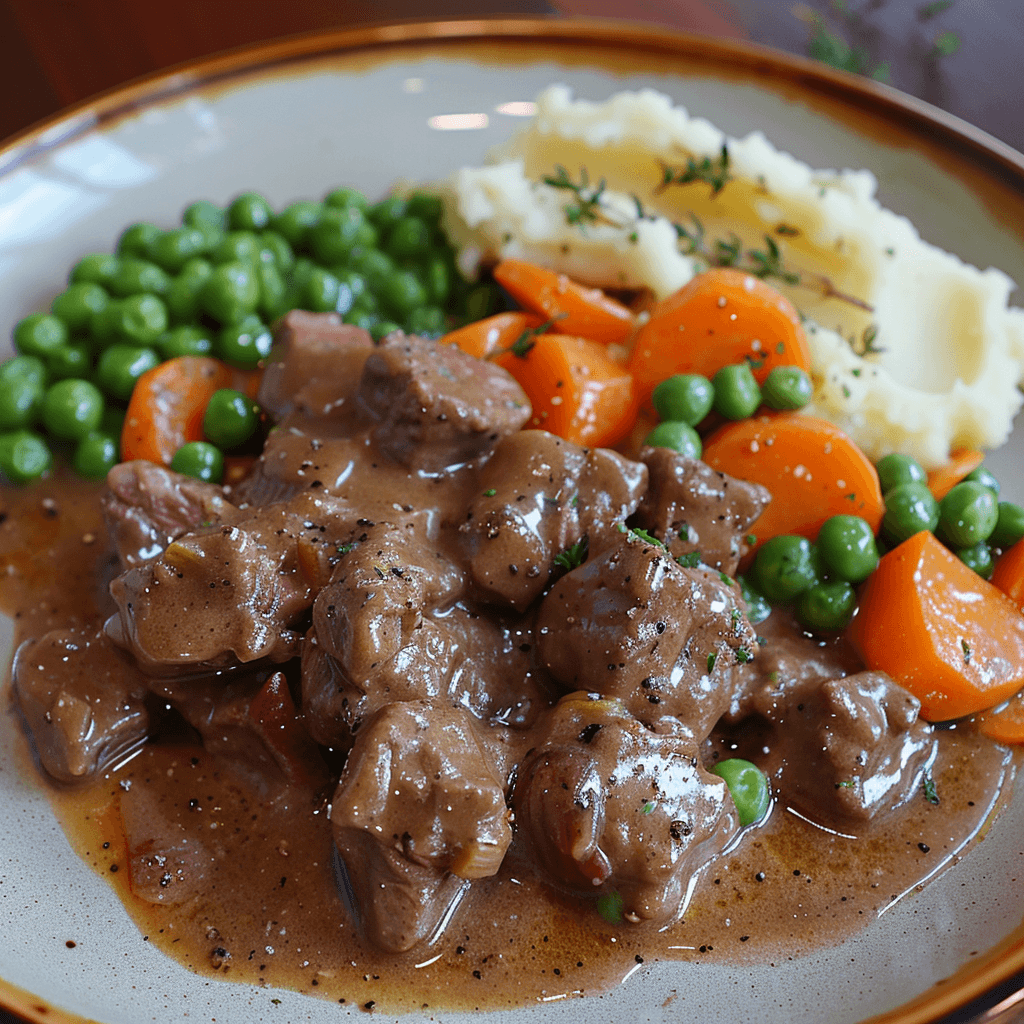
<point x="961" y="55"/>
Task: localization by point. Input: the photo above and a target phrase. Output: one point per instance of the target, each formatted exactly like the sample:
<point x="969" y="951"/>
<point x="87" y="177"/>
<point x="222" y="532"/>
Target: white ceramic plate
<point x="360" y="108"/>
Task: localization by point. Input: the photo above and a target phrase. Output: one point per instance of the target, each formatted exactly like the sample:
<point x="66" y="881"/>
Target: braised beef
<point x="82" y="699"/>
<point x="691" y="507"/>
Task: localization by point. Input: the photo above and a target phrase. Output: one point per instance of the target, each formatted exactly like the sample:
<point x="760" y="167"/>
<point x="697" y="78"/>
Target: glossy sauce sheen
<point x="268" y="909"/>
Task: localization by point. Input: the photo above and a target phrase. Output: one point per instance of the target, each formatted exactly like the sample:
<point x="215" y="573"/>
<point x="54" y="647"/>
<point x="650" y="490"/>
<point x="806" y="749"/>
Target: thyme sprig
<point x="574" y="555"/>
<point x="713" y="171"/>
<point x="585" y="206"/>
<point x="524" y="344"/>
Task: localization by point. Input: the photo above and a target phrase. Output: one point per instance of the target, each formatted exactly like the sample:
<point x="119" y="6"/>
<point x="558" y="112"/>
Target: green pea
<point x="437" y="276"/>
<point x="78" y="303"/>
<point x="201" y="460"/>
<point x="968" y="514"/>
<point x="141" y="319"/>
<point x="237" y="247"/>
<point x="748" y="787"/>
<point x="382" y="328"/>
<point x="426" y="321"/>
<point x="120" y="366"/>
<point x="185" y="341"/>
<point x="351" y="289"/>
<point x="359" y="316"/>
<point x="826" y="606"/>
<point x="375" y="267"/>
<point x="678" y="436"/>
<point x="137" y="240"/>
<point x="402" y="292"/>
<point x="230" y="418"/>
<point x="24" y="456"/>
<point x="386" y="212"/>
<point x="342" y="198"/>
<point x="95" y="268"/>
<point x="896" y="469"/>
<point x="231" y="292"/>
<point x="39" y="334"/>
<point x="96" y="454"/>
<point x="203" y="214"/>
<point x="249" y="212"/>
<point x="182" y="295"/>
<point x="610" y="906"/>
<point x="135" y="276"/>
<point x="275" y="296"/>
<point x="758" y="608"/>
<point x="113" y="421"/>
<point x="22" y="385"/>
<point x="687" y="397"/>
<point x="427" y="207"/>
<point x="274" y="248"/>
<point x="979" y="558"/>
<point x="105" y="325"/>
<point x="336" y="234"/>
<point x="408" y="238"/>
<point x="71" y="408"/>
<point x="295" y="221"/>
<point x="784" y="567"/>
<point x="1009" y="526"/>
<point x="909" y="508"/>
<point x="321" y="291"/>
<point x="737" y="393"/>
<point x="245" y="345"/>
<point x="174" y="248"/>
<point x="847" y="547"/>
<point x="984" y="477"/>
<point x="787" y="387"/>
<point x="69" y="361"/>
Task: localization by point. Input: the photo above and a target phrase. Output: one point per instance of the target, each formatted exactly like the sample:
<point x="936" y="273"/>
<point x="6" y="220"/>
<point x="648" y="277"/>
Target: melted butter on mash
<point x="929" y="356"/>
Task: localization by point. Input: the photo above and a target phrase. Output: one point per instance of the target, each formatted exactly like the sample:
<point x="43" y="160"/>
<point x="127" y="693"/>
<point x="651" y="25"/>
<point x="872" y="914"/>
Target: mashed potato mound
<point x="913" y="350"/>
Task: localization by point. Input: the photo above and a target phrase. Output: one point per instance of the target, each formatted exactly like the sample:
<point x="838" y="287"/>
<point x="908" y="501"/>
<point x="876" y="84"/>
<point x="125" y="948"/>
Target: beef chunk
<point x="253" y="724"/>
<point x="314" y="365"/>
<point x="83" y="701"/>
<point x="854" y="747"/>
<point x="418" y="783"/>
<point x="434" y="405"/>
<point x="148" y="506"/>
<point x="539" y="495"/>
<point x="631" y="623"/>
<point x="692" y="507"/>
<point x="606" y="805"/>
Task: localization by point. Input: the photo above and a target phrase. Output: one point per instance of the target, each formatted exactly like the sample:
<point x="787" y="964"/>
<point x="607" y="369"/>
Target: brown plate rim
<point x="589" y="36"/>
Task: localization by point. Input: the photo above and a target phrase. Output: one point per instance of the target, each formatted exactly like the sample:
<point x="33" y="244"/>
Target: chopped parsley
<point x="928" y="785"/>
<point x="574" y="556"/>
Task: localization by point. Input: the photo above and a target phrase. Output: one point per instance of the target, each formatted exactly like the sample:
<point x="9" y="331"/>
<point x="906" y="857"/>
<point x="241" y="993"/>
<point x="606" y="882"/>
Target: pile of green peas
<point x="212" y="286"/>
<point x="685" y="399"/>
<point x="819" y="579"/>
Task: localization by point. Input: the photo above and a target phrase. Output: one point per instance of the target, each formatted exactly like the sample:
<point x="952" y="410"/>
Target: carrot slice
<point x="1004" y="724"/>
<point x="961" y="462"/>
<point x="940" y="630"/>
<point x="1008" y="575"/>
<point x="167" y="405"/>
<point x="576" y="389"/>
<point x="585" y="312"/>
<point x="493" y="334"/>
<point x="721" y="317"/>
<point x="812" y="468"/>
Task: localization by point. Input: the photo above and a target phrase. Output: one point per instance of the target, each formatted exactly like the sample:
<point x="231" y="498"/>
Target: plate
<point x="368" y="107"/>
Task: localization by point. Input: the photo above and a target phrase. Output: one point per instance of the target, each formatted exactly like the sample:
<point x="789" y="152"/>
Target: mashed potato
<point x="913" y="350"/>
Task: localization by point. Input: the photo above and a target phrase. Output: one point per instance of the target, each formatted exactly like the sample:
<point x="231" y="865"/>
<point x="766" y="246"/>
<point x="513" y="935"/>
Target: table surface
<point x="961" y="56"/>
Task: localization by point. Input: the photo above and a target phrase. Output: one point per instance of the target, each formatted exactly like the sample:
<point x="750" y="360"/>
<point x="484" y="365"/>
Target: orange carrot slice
<point x="940" y="630"/>
<point x="167" y="405"/>
<point x="1008" y="575"/>
<point x="1004" y="724"/>
<point x="721" y="317"/>
<point x="576" y="390"/>
<point x="812" y="468"/>
<point x="961" y="462"/>
<point x="494" y="334"/>
<point x="577" y="310"/>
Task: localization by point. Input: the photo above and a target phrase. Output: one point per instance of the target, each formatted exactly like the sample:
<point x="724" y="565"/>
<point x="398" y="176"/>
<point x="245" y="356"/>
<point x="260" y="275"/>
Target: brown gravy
<point x="269" y="910"/>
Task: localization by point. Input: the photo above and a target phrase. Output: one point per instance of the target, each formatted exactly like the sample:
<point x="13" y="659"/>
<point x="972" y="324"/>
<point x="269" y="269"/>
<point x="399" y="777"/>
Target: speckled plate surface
<point x="366" y="108"/>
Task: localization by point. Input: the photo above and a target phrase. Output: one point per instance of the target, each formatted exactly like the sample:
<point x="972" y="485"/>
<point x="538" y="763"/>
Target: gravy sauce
<point x="263" y="904"/>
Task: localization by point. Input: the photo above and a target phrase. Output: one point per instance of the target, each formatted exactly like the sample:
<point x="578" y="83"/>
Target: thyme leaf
<point x="713" y="171"/>
<point x="928" y="785"/>
<point x="575" y="555"/>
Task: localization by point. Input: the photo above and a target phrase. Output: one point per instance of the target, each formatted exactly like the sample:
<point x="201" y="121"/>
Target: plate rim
<point x="588" y="36"/>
